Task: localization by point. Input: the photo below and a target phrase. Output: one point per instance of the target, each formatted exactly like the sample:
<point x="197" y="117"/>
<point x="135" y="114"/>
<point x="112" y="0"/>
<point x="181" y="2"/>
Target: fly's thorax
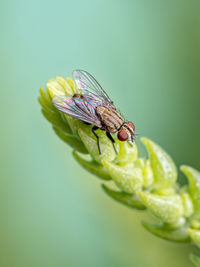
<point x="110" y="118"/>
<point x="100" y="110"/>
<point x="126" y="131"/>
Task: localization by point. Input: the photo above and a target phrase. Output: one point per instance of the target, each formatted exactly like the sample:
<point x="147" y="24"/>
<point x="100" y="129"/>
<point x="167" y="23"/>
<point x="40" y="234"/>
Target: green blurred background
<point x="146" y="54"/>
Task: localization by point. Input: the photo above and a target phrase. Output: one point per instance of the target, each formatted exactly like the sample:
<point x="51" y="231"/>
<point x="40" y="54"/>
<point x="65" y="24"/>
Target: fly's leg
<point x="130" y="144"/>
<point x="86" y="123"/>
<point x="133" y="136"/>
<point x="112" y="140"/>
<point x="94" y="128"/>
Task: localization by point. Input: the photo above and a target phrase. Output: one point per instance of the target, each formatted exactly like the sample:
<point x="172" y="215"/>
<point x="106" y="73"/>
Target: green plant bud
<point x="168" y="209"/>
<point x="187" y="204"/>
<point x="54" y="88"/>
<point x="129" y="200"/>
<point x="195" y="259"/>
<point x="194" y="235"/>
<point x="59" y="86"/>
<point x="162" y="231"/>
<point x="90" y="142"/>
<point x="92" y="166"/>
<point x="164" y="169"/>
<point x="194" y="187"/>
<point x="128" y="178"/>
<point x="65" y="85"/>
<point x="127" y="153"/>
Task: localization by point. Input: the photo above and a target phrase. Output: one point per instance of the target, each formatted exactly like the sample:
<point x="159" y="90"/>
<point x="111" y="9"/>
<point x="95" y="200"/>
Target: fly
<point x="93" y="106"/>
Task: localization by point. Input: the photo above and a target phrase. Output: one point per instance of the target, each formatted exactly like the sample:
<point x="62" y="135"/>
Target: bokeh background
<point x="146" y="54"/>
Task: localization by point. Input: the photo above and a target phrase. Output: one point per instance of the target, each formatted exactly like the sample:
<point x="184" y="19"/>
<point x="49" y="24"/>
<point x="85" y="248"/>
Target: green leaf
<point x="195" y="259"/>
<point x="168" y="209"/>
<point x="194" y="187"/>
<point x="71" y="140"/>
<point x="56" y="120"/>
<point x="92" y="167"/>
<point x="177" y="235"/>
<point x="45" y="105"/>
<point x="128" y="200"/>
<point x="128" y="178"/>
<point x="45" y="96"/>
<point x="164" y="169"/>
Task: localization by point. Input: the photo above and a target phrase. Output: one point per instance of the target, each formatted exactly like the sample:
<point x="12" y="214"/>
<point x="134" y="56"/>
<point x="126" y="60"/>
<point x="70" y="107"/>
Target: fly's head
<point x="126" y="132"/>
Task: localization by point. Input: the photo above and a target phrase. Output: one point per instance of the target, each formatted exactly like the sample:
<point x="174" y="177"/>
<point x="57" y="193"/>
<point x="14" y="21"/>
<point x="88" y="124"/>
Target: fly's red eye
<point x="122" y="135"/>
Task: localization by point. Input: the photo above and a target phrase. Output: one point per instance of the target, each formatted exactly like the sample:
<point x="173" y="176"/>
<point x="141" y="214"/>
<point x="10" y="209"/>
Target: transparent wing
<point x="80" y="109"/>
<point x="89" y="86"/>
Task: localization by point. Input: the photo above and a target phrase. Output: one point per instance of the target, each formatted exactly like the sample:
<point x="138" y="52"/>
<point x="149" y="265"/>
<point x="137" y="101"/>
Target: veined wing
<point x="77" y="108"/>
<point x="89" y="87"/>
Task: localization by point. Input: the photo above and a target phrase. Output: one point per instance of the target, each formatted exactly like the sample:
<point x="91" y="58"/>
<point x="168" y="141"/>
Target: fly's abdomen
<point x="110" y="118"/>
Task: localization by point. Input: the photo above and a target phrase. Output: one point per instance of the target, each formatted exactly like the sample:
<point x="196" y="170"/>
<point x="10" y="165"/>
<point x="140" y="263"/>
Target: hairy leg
<point x="112" y="140"/>
<point x="94" y="128"/>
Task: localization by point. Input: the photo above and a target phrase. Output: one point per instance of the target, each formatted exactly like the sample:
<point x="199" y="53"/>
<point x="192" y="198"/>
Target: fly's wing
<point x="80" y="109"/>
<point x="89" y="87"/>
